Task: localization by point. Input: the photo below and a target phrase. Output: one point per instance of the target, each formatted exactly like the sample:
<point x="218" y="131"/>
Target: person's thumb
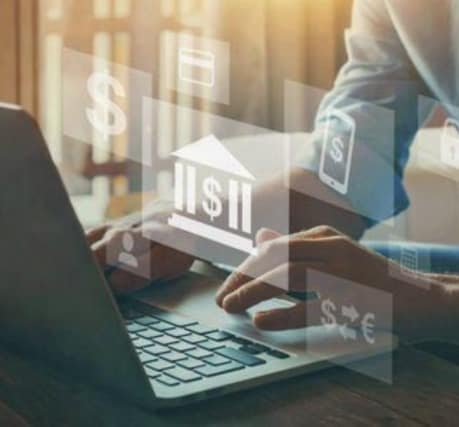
<point x="266" y="234"/>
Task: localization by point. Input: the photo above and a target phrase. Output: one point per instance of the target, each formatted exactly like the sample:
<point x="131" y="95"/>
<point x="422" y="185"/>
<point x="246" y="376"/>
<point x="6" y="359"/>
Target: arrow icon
<point x="350" y="312"/>
<point x="348" y="333"/>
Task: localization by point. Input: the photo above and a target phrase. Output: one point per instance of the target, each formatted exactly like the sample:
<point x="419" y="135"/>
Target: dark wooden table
<point x="425" y="392"/>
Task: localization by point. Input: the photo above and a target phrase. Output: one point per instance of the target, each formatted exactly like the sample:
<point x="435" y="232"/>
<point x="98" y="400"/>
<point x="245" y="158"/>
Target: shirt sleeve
<point x="378" y="88"/>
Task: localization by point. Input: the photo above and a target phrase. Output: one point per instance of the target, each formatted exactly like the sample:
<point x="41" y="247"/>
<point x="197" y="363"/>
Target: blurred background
<point x="270" y="41"/>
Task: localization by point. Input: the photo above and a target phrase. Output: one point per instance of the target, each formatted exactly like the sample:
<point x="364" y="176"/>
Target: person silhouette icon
<point x="126" y="256"/>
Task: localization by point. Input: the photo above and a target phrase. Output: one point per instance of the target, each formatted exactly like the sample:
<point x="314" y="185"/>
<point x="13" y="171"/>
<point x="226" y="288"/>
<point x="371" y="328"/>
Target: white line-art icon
<point x="196" y="66"/>
<point x="450" y="143"/>
<point x="106" y="116"/>
<point x="337" y="150"/>
<point x="223" y="195"/>
<point x="126" y="257"/>
<point x="348" y="327"/>
<point x="409" y="260"/>
<point x="328" y="308"/>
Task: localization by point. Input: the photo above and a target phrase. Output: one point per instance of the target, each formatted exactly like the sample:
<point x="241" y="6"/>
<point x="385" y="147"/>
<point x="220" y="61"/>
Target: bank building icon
<point x="213" y="195"/>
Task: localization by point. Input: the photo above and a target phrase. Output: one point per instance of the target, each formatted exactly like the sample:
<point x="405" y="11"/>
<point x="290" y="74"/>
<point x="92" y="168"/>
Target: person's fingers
<point x="232" y="282"/>
<point x="284" y="278"/>
<point x="276" y="252"/>
<point x="95" y="234"/>
<point x="237" y="278"/>
<point x="249" y="295"/>
<point x="299" y="316"/>
<point x="265" y="235"/>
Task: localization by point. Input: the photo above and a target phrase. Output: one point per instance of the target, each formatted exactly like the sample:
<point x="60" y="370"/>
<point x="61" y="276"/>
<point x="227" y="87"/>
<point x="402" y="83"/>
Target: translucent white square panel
<point x="217" y="167"/>
<point x="196" y="66"/>
<point x="102" y="104"/>
<point x="349" y="143"/>
<point x="358" y="315"/>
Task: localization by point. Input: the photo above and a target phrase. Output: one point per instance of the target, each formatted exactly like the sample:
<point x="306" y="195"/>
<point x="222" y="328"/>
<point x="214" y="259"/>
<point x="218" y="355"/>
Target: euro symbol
<point x="368" y="328"/>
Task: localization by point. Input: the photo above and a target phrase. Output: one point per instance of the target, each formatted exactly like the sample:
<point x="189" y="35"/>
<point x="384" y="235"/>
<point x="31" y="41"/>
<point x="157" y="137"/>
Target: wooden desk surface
<point x="425" y="392"/>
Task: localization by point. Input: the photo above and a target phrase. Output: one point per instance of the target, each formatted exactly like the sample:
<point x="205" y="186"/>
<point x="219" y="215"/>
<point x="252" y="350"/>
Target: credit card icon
<point x="196" y="67"/>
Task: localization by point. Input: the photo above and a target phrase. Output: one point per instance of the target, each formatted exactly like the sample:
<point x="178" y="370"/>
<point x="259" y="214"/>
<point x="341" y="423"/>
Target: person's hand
<point x="282" y="264"/>
<point x="162" y="262"/>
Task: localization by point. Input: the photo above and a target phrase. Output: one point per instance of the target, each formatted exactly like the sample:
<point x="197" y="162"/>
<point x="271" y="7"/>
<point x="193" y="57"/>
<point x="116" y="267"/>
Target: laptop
<point x="169" y="345"/>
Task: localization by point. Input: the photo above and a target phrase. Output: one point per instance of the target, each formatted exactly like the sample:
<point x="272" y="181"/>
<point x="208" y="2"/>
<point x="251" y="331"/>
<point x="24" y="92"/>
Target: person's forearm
<point x="449" y="309"/>
<point x="426" y="306"/>
<point x="305" y="202"/>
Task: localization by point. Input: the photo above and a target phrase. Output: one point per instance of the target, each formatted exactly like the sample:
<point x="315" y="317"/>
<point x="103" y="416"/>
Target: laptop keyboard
<point x="176" y="350"/>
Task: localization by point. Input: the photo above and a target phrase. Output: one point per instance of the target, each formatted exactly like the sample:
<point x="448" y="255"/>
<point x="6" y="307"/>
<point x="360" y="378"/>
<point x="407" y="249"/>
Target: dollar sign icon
<point x="108" y="118"/>
<point x="328" y="310"/>
<point x="212" y="205"/>
<point x="337" y="150"/>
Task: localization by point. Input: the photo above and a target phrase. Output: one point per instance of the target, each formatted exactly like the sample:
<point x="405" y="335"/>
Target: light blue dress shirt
<point x="398" y="51"/>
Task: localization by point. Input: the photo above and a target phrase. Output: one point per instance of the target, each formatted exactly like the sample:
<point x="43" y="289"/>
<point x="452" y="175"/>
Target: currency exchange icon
<point x="215" y="204"/>
<point x="337" y="150"/>
<point x="106" y="116"/>
<point x="450" y="143"/>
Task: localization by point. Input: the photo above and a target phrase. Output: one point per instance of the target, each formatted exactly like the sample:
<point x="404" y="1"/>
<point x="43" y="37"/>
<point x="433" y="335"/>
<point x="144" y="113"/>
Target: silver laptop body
<point x="56" y="306"/>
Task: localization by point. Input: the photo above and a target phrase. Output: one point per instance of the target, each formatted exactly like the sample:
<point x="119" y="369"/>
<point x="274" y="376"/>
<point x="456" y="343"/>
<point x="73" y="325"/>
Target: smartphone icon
<point x="450" y="143"/>
<point x="337" y="149"/>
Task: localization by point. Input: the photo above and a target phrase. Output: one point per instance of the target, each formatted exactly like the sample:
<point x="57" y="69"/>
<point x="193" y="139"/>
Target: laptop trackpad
<point x="194" y="296"/>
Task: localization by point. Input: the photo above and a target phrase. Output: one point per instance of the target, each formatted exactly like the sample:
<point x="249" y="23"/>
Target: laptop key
<point x="146" y="357"/>
<point x="219" y="336"/>
<point x="162" y="326"/>
<point x="130" y="314"/>
<point x="201" y="329"/>
<point x="152" y="373"/>
<point x="146" y="321"/>
<point x="149" y="333"/>
<point x="183" y="375"/>
<point x="156" y="349"/>
<point x="169" y="381"/>
<point x="194" y="339"/>
<point x="160" y="365"/>
<point x="278" y="354"/>
<point x="141" y="342"/>
<point x="241" y="357"/>
<point x="135" y="327"/>
<point x="211" y="345"/>
<point x="165" y="340"/>
<point x="253" y="348"/>
<point x="190" y="363"/>
<point x="239" y="340"/>
<point x="173" y="356"/>
<point x="216" y="360"/>
<point x="175" y="319"/>
<point x="199" y="353"/>
<point x="178" y="332"/>
<point x="212" y="371"/>
<point x="182" y="347"/>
